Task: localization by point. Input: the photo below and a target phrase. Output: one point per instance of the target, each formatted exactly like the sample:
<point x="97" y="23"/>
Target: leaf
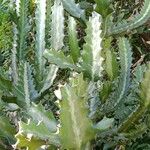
<point x="51" y="75"/>
<point x="40" y="132"/>
<point x="94" y="99"/>
<point x="14" y="56"/>
<point x="73" y="41"/>
<point x="41" y="128"/>
<point x="7" y="131"/>
<point x="142" y="108"/>
<point x="104" y="124"/>
<point x="17" y="7"/>
<point x="125" y="53"/>
<point x="57" y="37"/>
<point x="145" y="89"/>
<point x="138" y="20"/>
<point x="73" y="114"/>
<point x="103" y="7"/>
<point x="23" y="29"/>
<point x="106" y="90"/>
<point x="125" y="109"/>
<point x="91" y="54"/>
<point x="57" y="26"/>
<point x="1" y="103"/>
<point x="74" y="9"/>
<point x="48" y="22"/>
<point x="5" y="84"/>
<point x="139" y="73"/>
<point x="137" y="132"/>
<point x="124" y="79"/>
<point x="60" y="59"/>
<point x="39" y="114"/>
<point x="25" y="90"/>
<point x="31" y="144"/>
<point x="112" y="67"/>
<point x="40" y="19"/>
<point x="111" y="64"/>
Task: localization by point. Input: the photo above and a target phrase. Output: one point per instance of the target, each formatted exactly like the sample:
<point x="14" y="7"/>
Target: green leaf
<point x="7" y="131"/>
<point x="139" y="73"/>
<point x="138" y="20"/>
<point x="74" y="9"/>
<point x="111" y="64"/>
<point x="143" y="106"/>
<point x="60" y="59"/>
<point x="106" y="90"/>
<point x="31" y="144"/>
<point x="1" y="103"/>
<point x="112" y="67"/>
<point x="40" y="19"/>
<point x="48" y="22"/>
<point x="39" y="114"/>
<point x="5" y="84"/>
<point x="122" y="88"/>
<point x="14" y="56"/>
<point x="40" y="132"/>
<point x="91" y="54"/>
<point x="57" y="26"/>
<point x="23" y="29"/>
<point x="25" y="90"/>
<point x="125" y="53"/>
<point x="103" y="7"/>
<point x="51" y="75"/>
<point x="73" y="40"/>
<point x="94" y="99"/>
<point x="104" y="124"/>
<point x="56" y="41"/>
<point x="41" y="128"/>
<point x="137" y="132"/>
<point x="145" y="89"/>
<point x="74" y="113"/>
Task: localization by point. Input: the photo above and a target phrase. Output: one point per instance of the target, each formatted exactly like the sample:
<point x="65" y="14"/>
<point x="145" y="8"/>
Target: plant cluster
<point x="74" y="75"/>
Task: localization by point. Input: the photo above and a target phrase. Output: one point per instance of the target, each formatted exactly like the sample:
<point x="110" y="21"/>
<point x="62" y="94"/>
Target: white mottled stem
<point x="57" y="31"/>
<point x="40" y="29"/>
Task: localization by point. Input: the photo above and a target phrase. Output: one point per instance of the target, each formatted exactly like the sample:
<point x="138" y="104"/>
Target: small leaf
<point x="60" y="59"/>
<point x="74" y="9"/>
<point x="57" y="26"/>
<point x="31" y="144"/>
<point x="145" y="89"/>
<point x="103" y="7"/>
<point x="73" y="41"/>
<point x="5" y="84"/>
<point x="7" y="131"/>
<point x="111" y="64"/>
<point x="105" y="124"/>
<point x="39" y="114"/>
<point x="106" y="90"/>
<point x="51" y="75"/>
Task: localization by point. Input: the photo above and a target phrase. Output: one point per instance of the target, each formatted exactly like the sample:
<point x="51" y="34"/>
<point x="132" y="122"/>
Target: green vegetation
<point x="74" y="74"/>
